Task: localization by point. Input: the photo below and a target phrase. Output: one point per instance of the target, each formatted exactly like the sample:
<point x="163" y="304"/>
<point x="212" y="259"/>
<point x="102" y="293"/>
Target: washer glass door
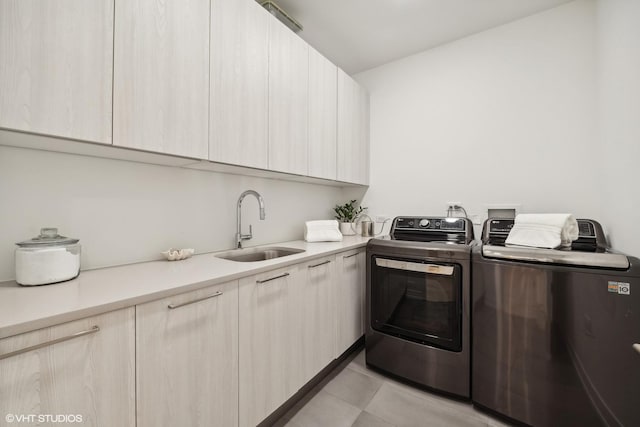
<point x="417" y="300"/>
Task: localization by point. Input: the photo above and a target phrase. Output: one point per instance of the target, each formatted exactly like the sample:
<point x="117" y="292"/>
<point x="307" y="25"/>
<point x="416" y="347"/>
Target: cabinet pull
<point x="636" y="347"/>
<point x="349" y="256"/>
<point x="48" y="343"/>
<point x="322" y="263"/>
<point x="273" y="278"/>
<point x="172" y="306"/>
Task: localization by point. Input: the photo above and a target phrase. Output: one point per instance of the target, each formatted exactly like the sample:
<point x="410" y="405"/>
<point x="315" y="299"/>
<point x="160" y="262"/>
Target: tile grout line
<point x="349" y="403"/>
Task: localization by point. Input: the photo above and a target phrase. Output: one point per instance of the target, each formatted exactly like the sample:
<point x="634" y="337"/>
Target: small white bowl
<point x="178" y="254"/>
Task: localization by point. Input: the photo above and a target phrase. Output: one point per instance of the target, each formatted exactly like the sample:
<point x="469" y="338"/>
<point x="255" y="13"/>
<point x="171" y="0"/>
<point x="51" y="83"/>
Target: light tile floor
<point x="355" y="396"/>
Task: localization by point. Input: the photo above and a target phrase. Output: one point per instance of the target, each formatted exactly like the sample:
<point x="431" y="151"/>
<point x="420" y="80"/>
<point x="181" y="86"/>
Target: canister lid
<point x="48" y="237"/>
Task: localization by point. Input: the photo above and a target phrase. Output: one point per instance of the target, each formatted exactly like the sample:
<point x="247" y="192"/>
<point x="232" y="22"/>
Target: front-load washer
<point x="554" y="330"/>
<point x="417" y="302"/>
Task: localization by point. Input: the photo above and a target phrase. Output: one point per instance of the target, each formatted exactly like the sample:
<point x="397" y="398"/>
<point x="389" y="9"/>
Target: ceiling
<point x="361" y="34"/>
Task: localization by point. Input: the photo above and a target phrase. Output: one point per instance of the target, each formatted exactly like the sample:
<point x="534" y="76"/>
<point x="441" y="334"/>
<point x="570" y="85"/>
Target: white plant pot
<point x="347" y="228"/>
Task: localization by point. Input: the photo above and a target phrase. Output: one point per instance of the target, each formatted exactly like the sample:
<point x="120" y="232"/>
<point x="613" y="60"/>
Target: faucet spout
<point x="239" y="236"/>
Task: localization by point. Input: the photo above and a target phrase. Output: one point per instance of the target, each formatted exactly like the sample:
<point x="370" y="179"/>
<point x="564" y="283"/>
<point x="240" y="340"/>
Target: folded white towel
<point x="543" y="230"/>
<point x="322" y="231"/>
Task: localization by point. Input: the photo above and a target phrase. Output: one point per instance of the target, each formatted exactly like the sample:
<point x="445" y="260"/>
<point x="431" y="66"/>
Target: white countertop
<point x="24" y="309"/>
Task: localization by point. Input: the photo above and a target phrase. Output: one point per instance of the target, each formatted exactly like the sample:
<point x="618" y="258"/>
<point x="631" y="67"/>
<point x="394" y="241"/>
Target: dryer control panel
<point x="425" y="228"/>
<point x="430" y="223"/>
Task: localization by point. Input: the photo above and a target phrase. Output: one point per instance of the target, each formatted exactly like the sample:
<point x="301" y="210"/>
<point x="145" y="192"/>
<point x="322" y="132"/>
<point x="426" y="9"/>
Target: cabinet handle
<point x="636" y="347"/>
<point x="172" y="306"/>
<point x="349" y="256"/>
<point x="273" y="278"/>
<point x="48" y="343"/>
<point x="322" y="263"/>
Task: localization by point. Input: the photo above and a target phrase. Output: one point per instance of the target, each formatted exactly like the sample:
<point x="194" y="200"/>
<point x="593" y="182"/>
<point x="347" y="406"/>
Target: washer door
<point x="417" y="301"/>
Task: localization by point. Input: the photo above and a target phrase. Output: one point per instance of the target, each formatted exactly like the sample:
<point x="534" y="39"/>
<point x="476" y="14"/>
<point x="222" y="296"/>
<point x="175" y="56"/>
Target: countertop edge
<point x="30" y="325"/>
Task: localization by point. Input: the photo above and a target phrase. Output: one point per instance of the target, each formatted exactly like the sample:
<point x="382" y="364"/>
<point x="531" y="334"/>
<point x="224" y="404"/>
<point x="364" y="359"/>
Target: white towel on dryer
<point x="549" y="231"/>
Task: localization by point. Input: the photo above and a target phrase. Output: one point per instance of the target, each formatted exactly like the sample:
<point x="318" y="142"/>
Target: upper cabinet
<point x="56" y="72"/>
<point x="288" y="100"/>
<point x="239" y="83"/>
<point x="218" y="80"/>
<point x="323" y="114"/>
<point x="353" y="131"/>
<point x="161" y="76"/>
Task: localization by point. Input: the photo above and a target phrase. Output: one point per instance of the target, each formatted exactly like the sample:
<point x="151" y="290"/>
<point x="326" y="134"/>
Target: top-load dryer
<point x="556" y="332"/>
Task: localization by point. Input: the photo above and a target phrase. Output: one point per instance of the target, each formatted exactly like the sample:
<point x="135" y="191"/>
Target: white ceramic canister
<point x="48" y="258"/>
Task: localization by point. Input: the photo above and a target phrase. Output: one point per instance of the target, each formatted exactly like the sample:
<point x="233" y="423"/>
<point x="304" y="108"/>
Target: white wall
<point x="506" y="116"/>
<point x="618" y="168"/>
<point x="126" y="212"/>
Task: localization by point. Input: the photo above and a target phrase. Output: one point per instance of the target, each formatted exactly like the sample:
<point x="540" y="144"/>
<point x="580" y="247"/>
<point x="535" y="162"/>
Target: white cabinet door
<point x="56" y="67"/>
<point x="323" y="115"/>
<point x="288" y="100"/>
<point x="161" y="76"/>
<point x="270" y="370"/>
<point x="239" y="83"/>
<point x="317" y="303"/>
<point x="187" y="359"/>
<point x="350" y="286"/>
<point x="353" y="131"/>
<point x="83" y="368"/>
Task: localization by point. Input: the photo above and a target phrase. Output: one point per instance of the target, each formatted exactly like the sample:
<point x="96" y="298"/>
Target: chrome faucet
<point x="239" y="236"/>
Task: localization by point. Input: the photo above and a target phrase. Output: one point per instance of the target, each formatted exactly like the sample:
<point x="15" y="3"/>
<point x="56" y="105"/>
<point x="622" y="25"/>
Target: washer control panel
<point x="586" y="227"/>
<point x="501" y="226"/>
<point x="590" y="234"/>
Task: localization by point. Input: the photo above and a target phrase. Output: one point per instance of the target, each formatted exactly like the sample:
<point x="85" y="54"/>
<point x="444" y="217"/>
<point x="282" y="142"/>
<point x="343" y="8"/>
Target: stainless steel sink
<point x="258" y="254"/>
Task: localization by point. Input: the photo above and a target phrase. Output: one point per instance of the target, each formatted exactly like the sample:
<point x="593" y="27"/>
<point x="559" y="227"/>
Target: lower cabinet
<point x="225" y="355"/>
<point x="78" y="372"/>
<point x="318" y="310"/>
<point x="293" y="323"/>
<point x="270" y="367"/>
<point x="187" y="359"/>
<point x="350" y="293"/>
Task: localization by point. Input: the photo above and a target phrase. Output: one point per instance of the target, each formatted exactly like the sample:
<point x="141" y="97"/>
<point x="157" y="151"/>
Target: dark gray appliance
<point x="417" y="301"/>
<point x="554" y="330"/>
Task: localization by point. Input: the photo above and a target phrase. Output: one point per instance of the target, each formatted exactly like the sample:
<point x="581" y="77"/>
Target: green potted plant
<point x="346" y="214"/>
